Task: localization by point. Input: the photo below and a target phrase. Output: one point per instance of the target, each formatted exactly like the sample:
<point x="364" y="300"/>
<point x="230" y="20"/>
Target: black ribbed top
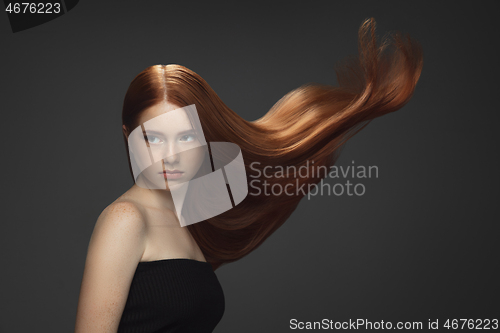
<point x="173" y="295"/>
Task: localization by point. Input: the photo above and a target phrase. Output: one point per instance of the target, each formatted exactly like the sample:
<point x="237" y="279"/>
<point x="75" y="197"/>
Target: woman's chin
<point x="174" y="186"/>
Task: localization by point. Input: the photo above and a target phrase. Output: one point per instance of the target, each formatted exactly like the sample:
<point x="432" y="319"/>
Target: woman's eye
<point x="187" y="138"/>
<point x="153" y="139"/>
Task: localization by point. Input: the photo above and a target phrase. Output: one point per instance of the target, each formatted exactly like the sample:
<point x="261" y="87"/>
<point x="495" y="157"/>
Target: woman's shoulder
<point x="124" y="206"/>
<point x="150" y="216"/>
<point x="127" y="203"/>
<point x="123" y="213"/>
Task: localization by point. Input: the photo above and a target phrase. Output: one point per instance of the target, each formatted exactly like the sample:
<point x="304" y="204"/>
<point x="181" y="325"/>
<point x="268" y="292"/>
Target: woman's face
<point x="173" y="153"/>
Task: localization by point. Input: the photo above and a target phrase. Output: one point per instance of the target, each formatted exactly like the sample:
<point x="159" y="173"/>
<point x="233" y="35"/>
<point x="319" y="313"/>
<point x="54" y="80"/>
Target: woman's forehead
<point x="165" y="118"/>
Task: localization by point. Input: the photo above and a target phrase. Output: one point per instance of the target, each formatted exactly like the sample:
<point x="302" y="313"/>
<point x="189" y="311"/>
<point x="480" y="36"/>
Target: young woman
<point x="150" y="264"/>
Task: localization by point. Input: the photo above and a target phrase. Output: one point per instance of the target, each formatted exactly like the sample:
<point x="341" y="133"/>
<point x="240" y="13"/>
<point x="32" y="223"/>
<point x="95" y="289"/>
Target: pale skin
<point x="138" y="226"/>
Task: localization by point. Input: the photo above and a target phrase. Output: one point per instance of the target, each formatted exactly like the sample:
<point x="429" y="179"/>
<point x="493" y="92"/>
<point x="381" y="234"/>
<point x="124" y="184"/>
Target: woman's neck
<point x="161" y="199"/>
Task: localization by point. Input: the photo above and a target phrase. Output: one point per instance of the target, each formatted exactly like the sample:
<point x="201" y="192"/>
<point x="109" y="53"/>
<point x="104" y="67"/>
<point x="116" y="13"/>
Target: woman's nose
<point x="171" y="153"/>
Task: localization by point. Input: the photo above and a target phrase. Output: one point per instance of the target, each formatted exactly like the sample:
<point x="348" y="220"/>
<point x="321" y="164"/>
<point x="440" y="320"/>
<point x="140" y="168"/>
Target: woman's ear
<point x="125" y="131"/>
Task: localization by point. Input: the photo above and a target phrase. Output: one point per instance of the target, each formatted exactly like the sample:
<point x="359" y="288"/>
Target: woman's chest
<point x="166" y="240"/>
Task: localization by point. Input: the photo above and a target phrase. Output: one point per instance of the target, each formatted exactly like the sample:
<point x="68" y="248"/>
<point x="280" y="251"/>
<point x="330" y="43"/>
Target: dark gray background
<point x="421" y="244"/>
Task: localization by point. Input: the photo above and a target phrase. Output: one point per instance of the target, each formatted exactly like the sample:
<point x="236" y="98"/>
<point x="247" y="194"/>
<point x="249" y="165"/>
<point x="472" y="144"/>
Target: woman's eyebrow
<point x="147" y="132"/>
<point x="187" y="131"/>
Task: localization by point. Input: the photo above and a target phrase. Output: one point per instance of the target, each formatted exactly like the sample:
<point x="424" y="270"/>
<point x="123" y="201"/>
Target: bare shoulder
<point x="115" y="248"/>
<point x="121" y="221"/>
<point x="152" y="216"/>
<point x="123" y="213"/>
<point x="119" y="233"/>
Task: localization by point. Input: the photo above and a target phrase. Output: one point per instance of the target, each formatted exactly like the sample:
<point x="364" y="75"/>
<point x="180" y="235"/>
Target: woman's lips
<point x="173" y="174"/>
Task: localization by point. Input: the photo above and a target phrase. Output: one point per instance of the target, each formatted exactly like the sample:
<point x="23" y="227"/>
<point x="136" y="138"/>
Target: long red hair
<point x="310" y="123"/>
